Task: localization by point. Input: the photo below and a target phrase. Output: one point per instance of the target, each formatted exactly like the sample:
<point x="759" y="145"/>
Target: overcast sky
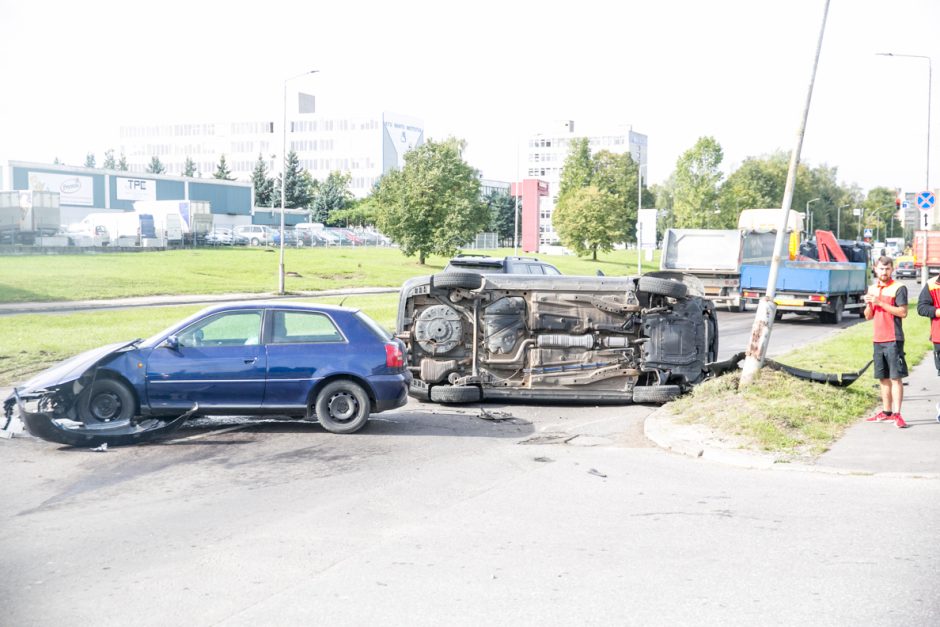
<point x="489" y="72"/>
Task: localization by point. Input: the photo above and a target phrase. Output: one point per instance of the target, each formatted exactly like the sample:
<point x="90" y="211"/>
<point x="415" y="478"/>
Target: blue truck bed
<point x="809" y="276"/>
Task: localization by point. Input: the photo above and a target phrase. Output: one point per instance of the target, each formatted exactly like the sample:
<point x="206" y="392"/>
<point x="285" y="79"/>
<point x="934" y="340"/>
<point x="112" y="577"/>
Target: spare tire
<point x="465" y="280"/>
<point x="656" y="393"/>
<point x="455" y="394"/>
<point x="663" y="287"/>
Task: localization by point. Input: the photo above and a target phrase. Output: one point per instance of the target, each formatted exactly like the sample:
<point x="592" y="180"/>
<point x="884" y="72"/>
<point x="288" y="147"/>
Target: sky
<point x="490" y="73"/>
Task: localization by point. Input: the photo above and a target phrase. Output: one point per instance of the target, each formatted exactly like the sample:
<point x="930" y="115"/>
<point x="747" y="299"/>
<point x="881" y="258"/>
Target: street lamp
<point x="639" y="207"/>
<point x="924" y="273"/>
<point x="809" y="216"/>
<point x="839" y="220"/>
<point x="280" y="267"/>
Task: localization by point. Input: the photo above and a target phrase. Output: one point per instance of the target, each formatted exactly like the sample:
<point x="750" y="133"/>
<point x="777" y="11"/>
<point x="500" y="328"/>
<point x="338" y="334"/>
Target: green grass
<point x="782" y="414"/>
<point x="25" y="278"/>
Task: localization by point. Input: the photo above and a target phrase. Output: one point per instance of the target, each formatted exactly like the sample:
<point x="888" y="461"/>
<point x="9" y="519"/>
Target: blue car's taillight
<point x="394" y="358"/>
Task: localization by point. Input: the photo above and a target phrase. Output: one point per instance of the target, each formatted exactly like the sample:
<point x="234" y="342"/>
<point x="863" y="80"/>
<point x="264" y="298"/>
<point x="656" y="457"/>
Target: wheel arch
<point x="363" y="383"/>
<point x="107" y="373"/>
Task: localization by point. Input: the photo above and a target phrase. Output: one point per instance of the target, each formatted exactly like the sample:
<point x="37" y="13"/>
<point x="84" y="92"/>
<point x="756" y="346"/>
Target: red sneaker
<point x="880" y="416"/>
<point x="899" y="422"/>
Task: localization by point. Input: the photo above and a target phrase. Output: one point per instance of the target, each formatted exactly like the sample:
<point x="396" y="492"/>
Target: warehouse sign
<point x="136" y="189"/>
<point x="73" y="189"/>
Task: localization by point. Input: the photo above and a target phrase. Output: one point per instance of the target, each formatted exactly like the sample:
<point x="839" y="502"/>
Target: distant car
<point x="500" y="265"/>
<point x="904" y="268"/>
<point x="472" y="337"/>
<point x="331" y="364"/>
<point x="253" y="234"/>
<point x="290" y="238"/>
<point x="220" y="236"/>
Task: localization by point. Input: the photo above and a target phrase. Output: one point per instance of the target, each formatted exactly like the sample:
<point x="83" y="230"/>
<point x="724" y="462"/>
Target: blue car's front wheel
<point x="342" y="407"/>
<point x="106" y="401"/>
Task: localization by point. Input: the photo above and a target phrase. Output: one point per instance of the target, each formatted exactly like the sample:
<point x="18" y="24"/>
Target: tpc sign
<point x="136" y="189"/>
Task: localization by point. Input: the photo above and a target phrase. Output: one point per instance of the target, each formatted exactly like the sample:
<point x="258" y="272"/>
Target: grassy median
<point x="43" y="278"/>
<point x="793" y="417"/>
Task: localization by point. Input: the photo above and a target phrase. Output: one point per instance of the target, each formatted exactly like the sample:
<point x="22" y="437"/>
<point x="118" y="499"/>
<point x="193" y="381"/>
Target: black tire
<point x="835" y="316"/>
<point x="455" y="394"/>
<point x="656" y="393"/>
<point x="663" y="287"/>
<point x="106" y="401"/>
<point x="342" y="407"/>
<point x="466" y="280"/>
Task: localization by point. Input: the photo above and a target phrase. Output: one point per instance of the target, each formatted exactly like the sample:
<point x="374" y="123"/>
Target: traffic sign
<point x="867" y="233"/>
<point x="925" y="201"/>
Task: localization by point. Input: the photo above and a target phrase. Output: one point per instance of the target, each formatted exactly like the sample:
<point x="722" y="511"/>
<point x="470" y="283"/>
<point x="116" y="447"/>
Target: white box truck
<point x="26" y="215"/>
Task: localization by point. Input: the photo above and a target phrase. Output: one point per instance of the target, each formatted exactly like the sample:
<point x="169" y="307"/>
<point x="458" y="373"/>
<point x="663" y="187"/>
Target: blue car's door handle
<point x="251" y="361"/>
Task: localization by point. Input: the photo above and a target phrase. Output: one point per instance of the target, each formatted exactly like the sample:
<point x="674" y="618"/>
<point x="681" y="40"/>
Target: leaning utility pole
<point x="767" y="308"/>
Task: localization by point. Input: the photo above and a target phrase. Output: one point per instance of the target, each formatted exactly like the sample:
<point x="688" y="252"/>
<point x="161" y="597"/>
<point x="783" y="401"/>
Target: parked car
<point x="220" y="236"/>
<point x="472" y="337"/>
<point x="904" y="268"/>
<point x="290" y="238"/>
<point x="253" y="234"/>
<point x="502" y="265"/>
<point x="331" y="364"/>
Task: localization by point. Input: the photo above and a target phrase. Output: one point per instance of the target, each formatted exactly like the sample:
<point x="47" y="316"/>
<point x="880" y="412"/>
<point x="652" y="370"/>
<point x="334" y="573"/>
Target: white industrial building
<point x="364" y="146"/>
<point x="546" y="152"/>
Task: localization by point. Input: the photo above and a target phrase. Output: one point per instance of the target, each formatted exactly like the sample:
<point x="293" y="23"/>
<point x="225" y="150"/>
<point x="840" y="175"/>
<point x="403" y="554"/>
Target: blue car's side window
<point x="236" y="328"/>
<point x="296" y="327"/>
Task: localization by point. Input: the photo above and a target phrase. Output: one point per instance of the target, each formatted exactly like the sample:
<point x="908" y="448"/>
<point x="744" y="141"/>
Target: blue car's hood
<point x="72" y="368"/>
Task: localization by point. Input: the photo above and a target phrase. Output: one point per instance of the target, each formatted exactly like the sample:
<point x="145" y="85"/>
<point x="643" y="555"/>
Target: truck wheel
<point x="834" y="316"/>
<point x="656" y="393"/>
<point x="663" y="287"/>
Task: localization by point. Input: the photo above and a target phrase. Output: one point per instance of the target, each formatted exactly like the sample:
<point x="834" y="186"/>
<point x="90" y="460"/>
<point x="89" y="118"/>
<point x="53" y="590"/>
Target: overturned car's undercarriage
<point x="564" y="338"/>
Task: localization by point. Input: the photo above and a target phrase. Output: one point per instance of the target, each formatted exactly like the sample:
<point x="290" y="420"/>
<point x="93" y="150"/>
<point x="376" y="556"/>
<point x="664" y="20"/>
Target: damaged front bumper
<point x="44" y="417"/>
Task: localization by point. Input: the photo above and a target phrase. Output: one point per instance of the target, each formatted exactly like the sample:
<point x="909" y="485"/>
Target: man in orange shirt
<point x="886" y="305"/>
<point x="928" y="305"/>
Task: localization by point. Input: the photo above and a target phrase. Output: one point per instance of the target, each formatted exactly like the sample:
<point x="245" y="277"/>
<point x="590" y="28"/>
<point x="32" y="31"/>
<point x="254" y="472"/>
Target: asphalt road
<point x="434" y="515"/>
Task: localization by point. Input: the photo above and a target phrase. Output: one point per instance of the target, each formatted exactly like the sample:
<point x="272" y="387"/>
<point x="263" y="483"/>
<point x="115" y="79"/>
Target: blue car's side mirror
<point x="172" y="342"/>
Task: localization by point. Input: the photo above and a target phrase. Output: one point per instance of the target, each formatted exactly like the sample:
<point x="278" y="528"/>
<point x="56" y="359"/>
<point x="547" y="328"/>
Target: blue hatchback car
<point x="331" y="364"/>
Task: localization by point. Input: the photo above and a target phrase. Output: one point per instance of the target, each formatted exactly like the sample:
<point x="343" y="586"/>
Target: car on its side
<point x="904" y="268"/>
<point x="502" y="265"/>
<point x="331" y="364"/>
<point x="472" y="337"/>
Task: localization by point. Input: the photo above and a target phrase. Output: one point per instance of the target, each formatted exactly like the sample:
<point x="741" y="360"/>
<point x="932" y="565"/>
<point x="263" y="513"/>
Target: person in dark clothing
<point x="928" y="306"/>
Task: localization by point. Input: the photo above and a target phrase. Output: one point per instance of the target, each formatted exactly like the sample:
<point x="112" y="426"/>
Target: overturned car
<point x="474" y="337"/>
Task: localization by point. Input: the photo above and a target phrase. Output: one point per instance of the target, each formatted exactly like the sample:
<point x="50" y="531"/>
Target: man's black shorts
<point x="889" y="360"/>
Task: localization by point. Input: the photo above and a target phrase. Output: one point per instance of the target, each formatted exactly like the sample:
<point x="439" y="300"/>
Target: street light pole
<point x="839" y="221"/>
<point x="809" y="216"/>
<point x="923" y="272"/>
<point x="639" y="207"/>
<point x="280" y="267"/>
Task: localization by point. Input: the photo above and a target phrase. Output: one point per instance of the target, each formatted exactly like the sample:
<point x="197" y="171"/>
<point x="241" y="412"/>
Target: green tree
<point x="880" y="211"/>
<point x="155" y="167"/>
<point x="588" y="219"/>
<point x="222" y="171"/>
<point x="299" y="190"/>
<point x="361" y="213"/>
<point x="330" y="196"/>
<point x="263" y="184"/>
<point x="122" y="163"/>
<point x="664" y="193"/>
<point x="578" y="171"/>
<point x="502" y="210"/>
<point x="189" y="168"/>
<point x="432" y="205"/>
<point x="90" y="160"/>
<point x="109" y="163"/>
<point x="697" y="179"/>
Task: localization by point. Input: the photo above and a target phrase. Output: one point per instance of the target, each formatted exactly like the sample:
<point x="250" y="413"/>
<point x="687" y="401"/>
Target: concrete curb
<point x="702" y="442"/>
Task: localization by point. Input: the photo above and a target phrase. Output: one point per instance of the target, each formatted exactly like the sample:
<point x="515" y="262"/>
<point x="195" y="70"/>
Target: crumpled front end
<point x="47" y="414"/>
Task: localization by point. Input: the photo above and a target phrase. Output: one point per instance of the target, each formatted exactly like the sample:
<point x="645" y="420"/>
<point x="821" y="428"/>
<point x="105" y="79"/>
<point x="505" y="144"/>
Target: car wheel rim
<point x="106" y="407"/>
<point x="343" y="406"/>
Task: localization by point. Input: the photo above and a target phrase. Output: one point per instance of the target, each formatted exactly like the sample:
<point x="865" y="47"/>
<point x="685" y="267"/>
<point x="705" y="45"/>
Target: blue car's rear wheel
<point x="106" y="401"/>
<point x="342" y="407"/>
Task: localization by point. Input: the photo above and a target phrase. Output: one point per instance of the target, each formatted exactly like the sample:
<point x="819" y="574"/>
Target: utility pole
<point x="767" y="308"/>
